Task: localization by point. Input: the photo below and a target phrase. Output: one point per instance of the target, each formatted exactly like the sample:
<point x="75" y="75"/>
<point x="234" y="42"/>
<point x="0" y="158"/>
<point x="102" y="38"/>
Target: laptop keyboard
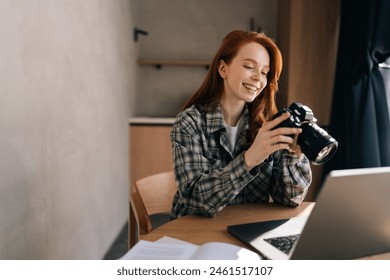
<point x="283" y="243"/>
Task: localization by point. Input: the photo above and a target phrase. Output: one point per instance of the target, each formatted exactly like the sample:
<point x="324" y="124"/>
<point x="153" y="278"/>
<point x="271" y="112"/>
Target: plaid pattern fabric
<point x="209" y="177"/>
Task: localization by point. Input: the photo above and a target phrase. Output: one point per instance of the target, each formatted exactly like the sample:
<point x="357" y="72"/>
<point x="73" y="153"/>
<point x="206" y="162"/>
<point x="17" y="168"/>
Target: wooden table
<point x="199" y="230"/>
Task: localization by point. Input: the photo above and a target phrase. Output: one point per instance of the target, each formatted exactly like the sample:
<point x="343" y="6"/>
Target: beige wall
<point x="192" y="30"/>
<point x="66" y="89"/>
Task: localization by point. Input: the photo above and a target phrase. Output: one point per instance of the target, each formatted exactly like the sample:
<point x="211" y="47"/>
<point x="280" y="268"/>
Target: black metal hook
<point x="139" y="31"/>
<point x="252" y="26"/>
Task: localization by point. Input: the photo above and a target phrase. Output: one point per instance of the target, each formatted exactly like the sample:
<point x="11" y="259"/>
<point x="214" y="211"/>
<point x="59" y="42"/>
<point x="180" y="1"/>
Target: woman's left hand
<point x="294" y="147"/>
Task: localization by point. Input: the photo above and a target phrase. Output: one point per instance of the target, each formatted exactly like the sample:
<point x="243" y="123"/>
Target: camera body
<point x="315" y="142"/>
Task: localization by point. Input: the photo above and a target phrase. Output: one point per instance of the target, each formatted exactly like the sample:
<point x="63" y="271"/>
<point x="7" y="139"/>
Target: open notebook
<point x="351" y="219"/>
<point x="168" y="248"/>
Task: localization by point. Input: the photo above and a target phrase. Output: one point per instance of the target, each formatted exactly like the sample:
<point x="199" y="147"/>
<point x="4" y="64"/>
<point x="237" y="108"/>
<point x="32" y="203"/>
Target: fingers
<point x="286" y="131"/>
<point x="281" y="138"/>
<point x="270" y="126"/>
<point x="293" y="147"/>
<point x="270" y="139"/>
<point x="284" y="138"/>
<point x="275" y="122"/>
<point x="279" y="146"/>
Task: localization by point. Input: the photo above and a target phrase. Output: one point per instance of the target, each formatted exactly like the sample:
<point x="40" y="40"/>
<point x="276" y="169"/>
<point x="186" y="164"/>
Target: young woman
<point x="226" y="147"/>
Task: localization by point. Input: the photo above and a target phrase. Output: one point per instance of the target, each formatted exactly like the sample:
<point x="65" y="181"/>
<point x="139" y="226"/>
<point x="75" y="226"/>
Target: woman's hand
<point x="269" y="140"/>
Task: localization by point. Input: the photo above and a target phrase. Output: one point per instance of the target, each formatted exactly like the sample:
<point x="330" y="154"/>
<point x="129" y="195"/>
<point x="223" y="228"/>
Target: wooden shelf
<point x="159" y="63"/>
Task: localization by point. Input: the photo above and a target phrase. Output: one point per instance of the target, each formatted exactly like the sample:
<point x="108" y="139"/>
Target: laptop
<point x="350" y="219"/>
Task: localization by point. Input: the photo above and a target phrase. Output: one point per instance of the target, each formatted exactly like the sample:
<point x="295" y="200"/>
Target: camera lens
<point x="324" y="153"/>
<point x="316" y="143"/>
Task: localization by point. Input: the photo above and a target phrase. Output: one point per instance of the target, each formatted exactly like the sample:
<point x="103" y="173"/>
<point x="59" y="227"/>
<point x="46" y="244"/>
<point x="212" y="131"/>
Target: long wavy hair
<point x="210" y="92"/>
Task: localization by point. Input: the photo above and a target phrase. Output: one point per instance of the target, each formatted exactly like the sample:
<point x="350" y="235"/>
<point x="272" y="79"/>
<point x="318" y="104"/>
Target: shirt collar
<point x="214" y="119"/>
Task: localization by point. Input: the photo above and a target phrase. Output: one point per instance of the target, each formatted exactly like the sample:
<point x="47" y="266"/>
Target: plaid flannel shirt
<point x="210" y="177"/>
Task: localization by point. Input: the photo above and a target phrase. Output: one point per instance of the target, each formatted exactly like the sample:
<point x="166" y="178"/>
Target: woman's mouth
<point x="251" y="87"/>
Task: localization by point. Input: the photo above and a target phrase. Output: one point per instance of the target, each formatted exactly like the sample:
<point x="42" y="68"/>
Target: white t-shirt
<point x="232" y="132"/>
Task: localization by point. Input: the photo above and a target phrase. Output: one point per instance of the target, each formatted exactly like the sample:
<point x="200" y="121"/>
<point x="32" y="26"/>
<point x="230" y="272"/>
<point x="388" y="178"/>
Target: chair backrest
<point x="150" y="195"/>
<point x="157" y="192"/>
<point x="142" y="221"/>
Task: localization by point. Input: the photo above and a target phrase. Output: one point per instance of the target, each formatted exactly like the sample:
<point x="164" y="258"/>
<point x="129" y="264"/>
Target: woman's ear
<point x="222" y="69"/>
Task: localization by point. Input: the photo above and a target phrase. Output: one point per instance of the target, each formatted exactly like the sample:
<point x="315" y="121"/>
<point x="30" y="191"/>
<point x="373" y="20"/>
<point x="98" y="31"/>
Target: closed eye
<point x="249" y="67"/>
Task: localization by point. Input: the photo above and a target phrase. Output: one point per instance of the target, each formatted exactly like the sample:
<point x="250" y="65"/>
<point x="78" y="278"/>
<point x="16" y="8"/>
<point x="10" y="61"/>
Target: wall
<point x="67" y="81"/>
<point x="309" y="32"/>
<point x="192" y="30"/>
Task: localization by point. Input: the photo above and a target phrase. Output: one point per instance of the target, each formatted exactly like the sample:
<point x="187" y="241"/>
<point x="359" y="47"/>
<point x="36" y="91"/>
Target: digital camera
<point x="315" y="142"/>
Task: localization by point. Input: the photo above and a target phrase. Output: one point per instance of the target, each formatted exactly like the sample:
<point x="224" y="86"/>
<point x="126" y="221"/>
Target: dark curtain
<point x="360" y="116"/>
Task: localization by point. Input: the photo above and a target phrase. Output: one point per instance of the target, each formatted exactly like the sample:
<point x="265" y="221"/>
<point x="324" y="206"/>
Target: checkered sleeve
<point x="291" y="178"/>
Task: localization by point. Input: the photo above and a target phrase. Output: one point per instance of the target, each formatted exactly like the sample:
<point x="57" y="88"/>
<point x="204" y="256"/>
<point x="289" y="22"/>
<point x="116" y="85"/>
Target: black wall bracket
<point x="137" y="32"/>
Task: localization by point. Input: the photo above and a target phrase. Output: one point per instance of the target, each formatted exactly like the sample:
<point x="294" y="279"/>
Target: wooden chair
<point x="150" y="204"/>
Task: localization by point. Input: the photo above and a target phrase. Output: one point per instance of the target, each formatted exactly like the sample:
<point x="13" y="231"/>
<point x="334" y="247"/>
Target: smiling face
<point x="246" y="76"/>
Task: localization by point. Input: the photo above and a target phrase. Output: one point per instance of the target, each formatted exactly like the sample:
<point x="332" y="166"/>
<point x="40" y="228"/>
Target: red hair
<point x="210" y="92"/>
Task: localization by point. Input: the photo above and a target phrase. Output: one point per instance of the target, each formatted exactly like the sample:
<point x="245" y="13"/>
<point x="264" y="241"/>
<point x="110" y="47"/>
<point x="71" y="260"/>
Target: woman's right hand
<point x="269" y="140"/>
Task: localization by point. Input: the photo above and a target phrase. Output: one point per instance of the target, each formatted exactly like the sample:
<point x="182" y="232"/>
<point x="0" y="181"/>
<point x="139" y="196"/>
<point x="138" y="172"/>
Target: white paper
<point x="168" y="248"/>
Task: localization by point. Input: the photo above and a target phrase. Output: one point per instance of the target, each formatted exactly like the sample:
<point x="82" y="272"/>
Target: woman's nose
<point x="256" y="76"/>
